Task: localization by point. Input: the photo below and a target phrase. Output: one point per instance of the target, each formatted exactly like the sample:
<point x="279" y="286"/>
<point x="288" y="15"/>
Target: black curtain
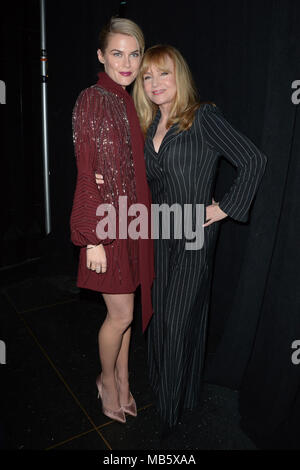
<point x="244" y="56"/>
<point x="254" y="354"/>
<point x="21" y="189"/>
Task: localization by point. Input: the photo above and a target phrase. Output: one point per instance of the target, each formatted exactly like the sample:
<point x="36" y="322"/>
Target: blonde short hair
<point x="121" y="26"/>
<point x="186" y="101"/>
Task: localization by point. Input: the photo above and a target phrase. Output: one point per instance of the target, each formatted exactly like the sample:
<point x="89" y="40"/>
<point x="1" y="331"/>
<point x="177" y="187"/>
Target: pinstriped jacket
<point x="184" y="169"/>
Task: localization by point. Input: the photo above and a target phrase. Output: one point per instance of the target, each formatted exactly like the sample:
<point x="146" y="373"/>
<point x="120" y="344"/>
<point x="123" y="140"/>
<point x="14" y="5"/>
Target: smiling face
<point x="160" y="83"/>
<point x="121" y="58"/>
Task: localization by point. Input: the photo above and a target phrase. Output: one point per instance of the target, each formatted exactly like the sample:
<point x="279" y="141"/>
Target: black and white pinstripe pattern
<point x="183" y="171"/>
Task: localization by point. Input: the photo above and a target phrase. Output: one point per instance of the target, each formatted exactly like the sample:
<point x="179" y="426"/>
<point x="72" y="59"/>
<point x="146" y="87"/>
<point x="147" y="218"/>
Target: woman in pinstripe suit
<point x="184" y="140"/>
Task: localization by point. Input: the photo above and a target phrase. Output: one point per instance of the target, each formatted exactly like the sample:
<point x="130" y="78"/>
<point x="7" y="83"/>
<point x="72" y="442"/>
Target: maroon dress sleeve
<point x="87" y="116"/>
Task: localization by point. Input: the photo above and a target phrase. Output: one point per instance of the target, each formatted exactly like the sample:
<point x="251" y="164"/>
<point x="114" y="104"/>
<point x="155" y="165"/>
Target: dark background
<point x="244" y="56"/>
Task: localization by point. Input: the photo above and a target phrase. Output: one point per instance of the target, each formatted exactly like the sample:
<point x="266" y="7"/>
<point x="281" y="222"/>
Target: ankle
<point x="122" y="379"/>
<point x="108" y="380"/>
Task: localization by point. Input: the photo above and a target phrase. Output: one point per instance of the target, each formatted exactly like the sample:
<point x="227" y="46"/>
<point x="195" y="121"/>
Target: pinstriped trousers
<point x="177" y="331"/>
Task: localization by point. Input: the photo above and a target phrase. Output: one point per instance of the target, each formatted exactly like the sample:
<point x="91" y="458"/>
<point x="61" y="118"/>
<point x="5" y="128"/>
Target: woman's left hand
<point x="213" y="213"/>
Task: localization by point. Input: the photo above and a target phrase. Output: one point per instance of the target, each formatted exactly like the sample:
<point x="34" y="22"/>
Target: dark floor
<point x="49" y="399"/>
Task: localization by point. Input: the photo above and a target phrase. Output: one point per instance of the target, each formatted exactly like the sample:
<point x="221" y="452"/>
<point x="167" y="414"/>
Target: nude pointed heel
<point x="130" y="408"/>
<point x="117" y="415"/>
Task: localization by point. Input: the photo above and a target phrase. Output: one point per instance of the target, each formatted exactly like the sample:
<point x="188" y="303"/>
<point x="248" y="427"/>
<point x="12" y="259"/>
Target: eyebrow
<point x="117" y="50"/>
<point x="161" y="69"/>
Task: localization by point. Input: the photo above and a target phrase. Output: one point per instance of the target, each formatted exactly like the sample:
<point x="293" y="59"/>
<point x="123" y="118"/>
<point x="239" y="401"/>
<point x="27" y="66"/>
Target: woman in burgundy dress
<point x="107" y="135"/>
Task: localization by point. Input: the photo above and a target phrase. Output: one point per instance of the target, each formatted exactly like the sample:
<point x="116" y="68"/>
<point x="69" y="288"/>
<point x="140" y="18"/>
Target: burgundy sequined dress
<point x="102" y="142"/>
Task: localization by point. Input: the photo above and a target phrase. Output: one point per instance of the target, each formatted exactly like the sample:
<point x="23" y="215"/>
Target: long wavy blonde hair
<point x="186" y="101"/>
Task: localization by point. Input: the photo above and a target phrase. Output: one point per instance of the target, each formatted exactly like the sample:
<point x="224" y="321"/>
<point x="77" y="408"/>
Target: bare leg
<point x="122" y="369"/>
<point x="111" y="336"/>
